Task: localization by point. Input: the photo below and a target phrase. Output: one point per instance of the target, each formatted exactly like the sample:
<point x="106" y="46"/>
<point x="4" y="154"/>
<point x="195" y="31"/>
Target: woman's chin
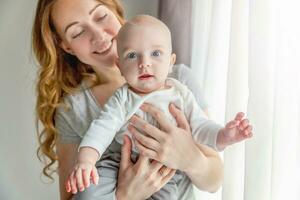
<point x="108" y="62"/>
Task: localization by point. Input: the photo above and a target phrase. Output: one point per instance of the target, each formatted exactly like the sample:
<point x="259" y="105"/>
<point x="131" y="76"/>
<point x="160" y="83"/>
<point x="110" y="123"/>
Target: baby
<point x="145" y="59"/>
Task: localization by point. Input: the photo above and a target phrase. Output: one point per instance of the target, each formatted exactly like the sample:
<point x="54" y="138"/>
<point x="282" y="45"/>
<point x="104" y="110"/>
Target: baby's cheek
<point x="126" y="75"/>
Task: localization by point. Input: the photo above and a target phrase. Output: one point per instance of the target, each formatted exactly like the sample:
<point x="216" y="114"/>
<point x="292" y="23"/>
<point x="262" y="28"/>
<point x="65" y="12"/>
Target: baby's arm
<point x="235" y="131"/>
<point x="96" y="140"/>
<point x="208" y="132"/>
<point x="84" y="170"/>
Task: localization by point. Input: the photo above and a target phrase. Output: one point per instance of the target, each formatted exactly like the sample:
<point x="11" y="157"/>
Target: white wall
<point x="19" y="169"/>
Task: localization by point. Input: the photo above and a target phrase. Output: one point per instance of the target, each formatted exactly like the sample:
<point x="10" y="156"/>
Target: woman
<point x="74" y="42"/>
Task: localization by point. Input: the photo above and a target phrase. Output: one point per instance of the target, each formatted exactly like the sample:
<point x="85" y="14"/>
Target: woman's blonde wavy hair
<point x="59" y="74"/>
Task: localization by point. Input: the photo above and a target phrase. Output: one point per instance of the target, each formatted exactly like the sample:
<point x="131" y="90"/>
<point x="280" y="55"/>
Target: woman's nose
<point x="98" y="35"/>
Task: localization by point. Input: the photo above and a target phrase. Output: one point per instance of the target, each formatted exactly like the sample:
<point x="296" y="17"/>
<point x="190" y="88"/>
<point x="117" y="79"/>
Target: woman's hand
<point x="172" y="145"/>
<point x="151" y="176"/>
<point x="175" y="147"/>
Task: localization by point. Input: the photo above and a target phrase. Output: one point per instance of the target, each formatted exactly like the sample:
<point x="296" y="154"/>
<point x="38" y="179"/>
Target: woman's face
<point x="87" y="29"/>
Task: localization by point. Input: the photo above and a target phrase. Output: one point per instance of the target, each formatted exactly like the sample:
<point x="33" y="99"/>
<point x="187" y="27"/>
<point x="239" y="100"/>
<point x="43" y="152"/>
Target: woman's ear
<point x="66" y="48"/>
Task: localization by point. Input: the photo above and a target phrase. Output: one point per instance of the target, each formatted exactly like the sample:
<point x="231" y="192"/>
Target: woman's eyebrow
<point x="90" y="12"/>
<point x="93" y="9"/>
<point x="71" y="24"/>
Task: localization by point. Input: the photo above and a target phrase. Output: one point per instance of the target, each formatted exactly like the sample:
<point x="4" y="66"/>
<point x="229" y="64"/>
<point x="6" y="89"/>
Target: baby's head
<point x="145" y="53"/>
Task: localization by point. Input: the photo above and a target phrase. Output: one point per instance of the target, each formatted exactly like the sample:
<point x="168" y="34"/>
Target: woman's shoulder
<point x="76" y="112"/>
<point x="80" y="100"/>
<point x="185" y="75"/>
<point x="178" y="70"/>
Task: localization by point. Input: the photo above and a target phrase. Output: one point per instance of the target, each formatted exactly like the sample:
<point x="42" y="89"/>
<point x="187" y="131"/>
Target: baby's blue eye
<point x="155" y="53"/>
<point x="131" y="55"/>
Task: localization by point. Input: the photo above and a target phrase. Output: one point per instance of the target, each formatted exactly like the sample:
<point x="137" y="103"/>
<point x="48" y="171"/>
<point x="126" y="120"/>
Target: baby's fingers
<point x="79" y="181"/>
<point x="248" y="131"/>
<point x="86" y="178"/>
<point x="244" y="124"/>
<point x="68" y="186"/>
<point x="73" y="183"/>
<point x="95" y="176"/>
<point x="232" y="124"/>
<point x="239" y="116"/>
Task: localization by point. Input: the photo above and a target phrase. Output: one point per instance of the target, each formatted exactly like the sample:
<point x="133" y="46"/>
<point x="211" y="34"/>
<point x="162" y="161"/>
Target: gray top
<point x="82" y="108"/>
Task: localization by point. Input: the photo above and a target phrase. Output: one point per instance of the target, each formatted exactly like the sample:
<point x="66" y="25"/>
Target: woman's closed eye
<point x="100" y="18"/>
<point x="78" y="33"/>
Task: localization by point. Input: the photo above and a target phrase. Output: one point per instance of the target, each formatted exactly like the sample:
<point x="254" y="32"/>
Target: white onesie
<point x="113" y="120"/>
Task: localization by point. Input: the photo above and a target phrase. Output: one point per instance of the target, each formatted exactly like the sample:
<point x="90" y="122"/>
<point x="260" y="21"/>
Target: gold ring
<point x="161" y="171"/>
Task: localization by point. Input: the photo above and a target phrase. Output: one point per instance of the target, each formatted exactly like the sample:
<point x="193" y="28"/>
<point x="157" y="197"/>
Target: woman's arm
<point x="209" y="178"/>
<point x="206" y="157"/>
<point x="175" y="148"/>
<point x="66" y="157"/>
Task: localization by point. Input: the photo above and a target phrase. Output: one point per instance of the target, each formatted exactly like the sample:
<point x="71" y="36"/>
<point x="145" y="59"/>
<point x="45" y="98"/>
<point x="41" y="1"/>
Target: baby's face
<point x="145" y="57"/>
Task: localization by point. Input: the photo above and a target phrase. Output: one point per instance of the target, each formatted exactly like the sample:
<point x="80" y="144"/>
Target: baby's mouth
<point x="145" y="76"/>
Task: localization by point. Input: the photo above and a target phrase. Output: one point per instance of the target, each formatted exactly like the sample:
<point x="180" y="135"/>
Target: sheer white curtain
<point x="247" y="55"/>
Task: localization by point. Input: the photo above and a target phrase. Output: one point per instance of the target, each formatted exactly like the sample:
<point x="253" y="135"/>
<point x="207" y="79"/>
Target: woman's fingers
<point x="156" y="166"/>
<point x="164" y="171"/>
<point x="147" y="142"/>
<point x="168" y="176"/>
<point x="159" y="116"/>
<point x="125" y="153"/>
<point x="142" y="164"/>
<point x="180" y="117"/>
<point x="145" y="151"/>
<point x="141" y="124"/>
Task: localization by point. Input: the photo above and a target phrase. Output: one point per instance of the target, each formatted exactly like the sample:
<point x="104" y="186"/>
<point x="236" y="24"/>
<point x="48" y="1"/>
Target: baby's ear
<point x="172" y="62"/>
<point x="173" y="59"/>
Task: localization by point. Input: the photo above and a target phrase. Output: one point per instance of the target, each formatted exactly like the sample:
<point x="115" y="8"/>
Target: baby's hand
<point x="80" y="176"/>
<point x="235" y="131"/>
